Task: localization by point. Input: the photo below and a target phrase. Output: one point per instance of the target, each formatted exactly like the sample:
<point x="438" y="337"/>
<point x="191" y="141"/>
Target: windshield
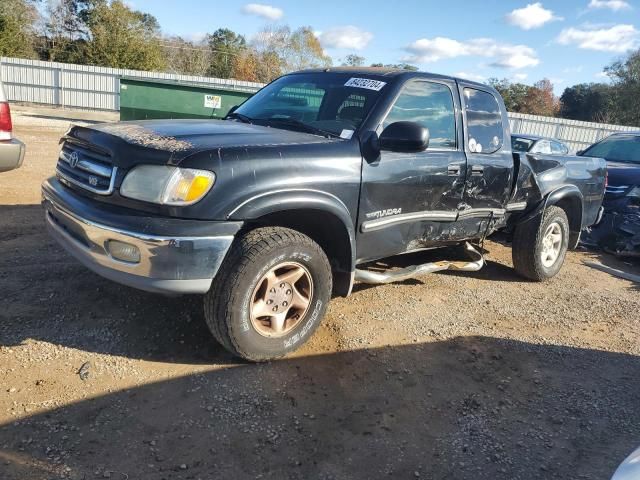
<point x="322" y="103"/>
<point x="617" y="148"/>
<point x="520" y="144"/>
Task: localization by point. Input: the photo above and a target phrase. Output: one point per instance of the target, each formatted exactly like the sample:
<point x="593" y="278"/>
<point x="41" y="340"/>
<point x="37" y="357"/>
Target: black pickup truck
<point x="272" y="210"/>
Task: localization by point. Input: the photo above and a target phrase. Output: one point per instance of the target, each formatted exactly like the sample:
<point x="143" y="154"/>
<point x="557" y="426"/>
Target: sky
<point x="568" y="41"/>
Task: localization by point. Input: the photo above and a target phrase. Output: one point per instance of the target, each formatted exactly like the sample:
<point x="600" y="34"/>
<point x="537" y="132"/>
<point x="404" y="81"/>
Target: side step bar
<point x="379" y="278"/>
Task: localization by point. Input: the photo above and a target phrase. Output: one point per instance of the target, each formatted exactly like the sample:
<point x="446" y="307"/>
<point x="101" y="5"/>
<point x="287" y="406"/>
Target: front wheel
<point x="540" y="245"/>
<point x="270" y="294"/>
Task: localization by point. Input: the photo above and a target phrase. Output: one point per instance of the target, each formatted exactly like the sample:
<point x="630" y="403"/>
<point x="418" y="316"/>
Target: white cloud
<point x="615" y="5"/>
<point x="532" y="16"/>
<point x="264" y="11"/>
<point x="602" y="76"/>
<point x="618" y="38"/>
<point x="471" y="76"/>
<point x="519" y="77"/>
<point x="346" y="36"/>
<point x="504" y="55"/>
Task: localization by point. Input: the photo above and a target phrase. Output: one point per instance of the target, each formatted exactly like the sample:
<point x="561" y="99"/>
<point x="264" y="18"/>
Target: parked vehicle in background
<point x="619" y="230"/>
<point x="322" y="171"/>
<point x="630" y="468"/>
<point x="11" y="149"/>
<point x="535" y="144"/>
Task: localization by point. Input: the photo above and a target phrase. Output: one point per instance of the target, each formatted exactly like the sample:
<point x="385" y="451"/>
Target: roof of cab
<point x="389" y="73"/>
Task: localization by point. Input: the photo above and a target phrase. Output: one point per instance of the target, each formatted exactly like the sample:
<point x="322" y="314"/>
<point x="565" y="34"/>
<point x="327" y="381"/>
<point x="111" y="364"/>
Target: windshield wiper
<point x="292" y="122"/>
<point x="239" y="116"/>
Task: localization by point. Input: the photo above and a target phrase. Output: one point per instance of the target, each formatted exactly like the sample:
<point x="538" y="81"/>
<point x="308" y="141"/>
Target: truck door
<point x="489" y="158"/>
<point x="410" y="201"/>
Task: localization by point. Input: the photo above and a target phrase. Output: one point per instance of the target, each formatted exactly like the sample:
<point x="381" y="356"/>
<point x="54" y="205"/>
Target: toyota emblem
<point x="73" y="159"/>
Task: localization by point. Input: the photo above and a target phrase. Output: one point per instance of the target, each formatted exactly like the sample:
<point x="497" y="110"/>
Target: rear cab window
<point x="485" y="132"/>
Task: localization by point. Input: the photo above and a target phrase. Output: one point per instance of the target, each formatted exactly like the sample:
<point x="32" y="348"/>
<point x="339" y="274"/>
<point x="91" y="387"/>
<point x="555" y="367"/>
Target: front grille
<point x="86" y="168"/>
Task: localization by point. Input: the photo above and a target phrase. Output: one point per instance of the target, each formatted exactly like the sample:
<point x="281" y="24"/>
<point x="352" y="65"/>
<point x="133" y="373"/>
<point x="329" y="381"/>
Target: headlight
<point x="167" y="185"/>
<point x="634" y="192"/>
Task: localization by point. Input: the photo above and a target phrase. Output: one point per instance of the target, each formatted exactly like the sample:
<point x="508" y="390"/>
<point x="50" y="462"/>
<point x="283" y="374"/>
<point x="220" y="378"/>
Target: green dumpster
<point x="143" y="99"/>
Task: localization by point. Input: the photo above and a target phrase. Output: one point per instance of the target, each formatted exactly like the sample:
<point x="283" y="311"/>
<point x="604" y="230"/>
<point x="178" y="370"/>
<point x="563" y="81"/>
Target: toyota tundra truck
<point x="270" y="212"/>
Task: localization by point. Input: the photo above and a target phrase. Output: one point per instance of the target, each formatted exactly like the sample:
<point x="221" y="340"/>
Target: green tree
<point x="400" y="66"/>
<point x="513" y="94"/>
<point x="225" y="46"/>
<point x="122" y="38"/>
<point x="17" y="18"/>
<point x="625" y="77"/>
<point x="590" y="102"/>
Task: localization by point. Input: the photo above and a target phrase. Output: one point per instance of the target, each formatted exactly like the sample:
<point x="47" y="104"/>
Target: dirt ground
<point x="451" y="376"/>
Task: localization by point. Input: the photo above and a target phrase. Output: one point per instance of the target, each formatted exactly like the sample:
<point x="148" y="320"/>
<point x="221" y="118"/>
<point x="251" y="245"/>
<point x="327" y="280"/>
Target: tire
<point x="245" y="284"/>
<point x="529" y="245"/>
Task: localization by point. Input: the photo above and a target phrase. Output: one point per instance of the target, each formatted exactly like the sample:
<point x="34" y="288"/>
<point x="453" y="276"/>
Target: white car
<point x="11" y="149"/>
<point x="630" y="468"/>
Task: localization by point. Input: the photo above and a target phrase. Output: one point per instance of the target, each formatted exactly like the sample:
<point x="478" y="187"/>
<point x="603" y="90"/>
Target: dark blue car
<point x="619" y="230"/>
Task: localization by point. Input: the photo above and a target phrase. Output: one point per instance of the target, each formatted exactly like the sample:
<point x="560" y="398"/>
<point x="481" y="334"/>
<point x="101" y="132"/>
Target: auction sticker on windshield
<point x="365" y="83"/>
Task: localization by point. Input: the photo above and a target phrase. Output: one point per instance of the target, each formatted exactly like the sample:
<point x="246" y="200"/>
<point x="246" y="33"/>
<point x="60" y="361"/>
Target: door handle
<point x="477" y="170"/>
<point x="453" y="170"/>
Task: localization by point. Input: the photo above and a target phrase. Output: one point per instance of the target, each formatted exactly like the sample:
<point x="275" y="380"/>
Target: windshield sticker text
<point x="365" y="83"/>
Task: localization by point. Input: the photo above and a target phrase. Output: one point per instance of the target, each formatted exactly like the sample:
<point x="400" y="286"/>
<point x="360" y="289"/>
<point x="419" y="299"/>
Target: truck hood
<point x="621" y="173"/>
<point x="171" y="141"/>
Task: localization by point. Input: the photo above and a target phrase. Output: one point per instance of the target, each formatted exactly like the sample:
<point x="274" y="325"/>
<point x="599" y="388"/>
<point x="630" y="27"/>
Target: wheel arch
<point x="319" y="215"/>
<point x="569" y="198"/>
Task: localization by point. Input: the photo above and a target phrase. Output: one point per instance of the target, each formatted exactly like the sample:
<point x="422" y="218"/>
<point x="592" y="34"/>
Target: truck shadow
<point x="465" y="408"/>
<point x="47" y="295"/>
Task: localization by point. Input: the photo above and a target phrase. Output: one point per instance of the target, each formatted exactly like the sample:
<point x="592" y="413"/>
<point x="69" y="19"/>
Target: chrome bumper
<point x="11" y="154"/>
<point x="168" y="264"/>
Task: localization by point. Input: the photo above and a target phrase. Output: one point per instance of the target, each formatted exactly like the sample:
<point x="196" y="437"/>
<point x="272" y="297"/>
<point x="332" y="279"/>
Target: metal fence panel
<point x="98" y="88"/>
<point x="84" y="86"/>
<point x="576" y="134"/>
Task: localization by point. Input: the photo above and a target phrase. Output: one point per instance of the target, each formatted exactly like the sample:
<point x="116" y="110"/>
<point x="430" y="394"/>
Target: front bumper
<point x="176" y="256"/>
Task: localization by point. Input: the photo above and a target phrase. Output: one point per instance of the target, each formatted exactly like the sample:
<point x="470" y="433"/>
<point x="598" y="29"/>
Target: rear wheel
<point x="270" y="294"/>
<point x="540" y="245"/>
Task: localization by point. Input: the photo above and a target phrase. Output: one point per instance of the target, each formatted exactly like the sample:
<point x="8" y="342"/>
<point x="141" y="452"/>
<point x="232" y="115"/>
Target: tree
<point x="64" y="32"/>
<point x="590" y="102"/>
<point x="183" y="56"/>
<point x="399" y="66"/>
<point x="540" y="99"/>
<point x="225" y="45"/>
<point x="353" y="60"/>
<point x="513" y="94"/>
<point x="17" y="18"/>
<point x="625" y="77"/>
<point x="122" y="38"/>
<point x="536" y="99"/>
<point x="288" y="50"/>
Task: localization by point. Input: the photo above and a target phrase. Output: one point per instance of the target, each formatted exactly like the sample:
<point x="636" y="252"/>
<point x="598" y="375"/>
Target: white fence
<point x="98" y="88"/>
<point x="576" y="134"/>
<point x="81" y="86"/>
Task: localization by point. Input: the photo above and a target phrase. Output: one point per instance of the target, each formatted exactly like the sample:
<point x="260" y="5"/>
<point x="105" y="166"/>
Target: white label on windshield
<point x="365" y="83"/>
<point x="346" y="134"/>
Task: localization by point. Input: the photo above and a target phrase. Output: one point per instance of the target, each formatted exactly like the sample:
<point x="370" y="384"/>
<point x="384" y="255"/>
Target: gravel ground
<point x="450" y="376"/>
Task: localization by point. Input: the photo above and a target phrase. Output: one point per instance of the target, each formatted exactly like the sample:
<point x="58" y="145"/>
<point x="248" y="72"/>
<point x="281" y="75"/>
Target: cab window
<point x="484" y="122"/>
<point x="431" y="105"/>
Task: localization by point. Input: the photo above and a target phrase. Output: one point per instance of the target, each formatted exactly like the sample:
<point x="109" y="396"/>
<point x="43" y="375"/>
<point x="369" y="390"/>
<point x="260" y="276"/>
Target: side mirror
<point x="404" y="137"/>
